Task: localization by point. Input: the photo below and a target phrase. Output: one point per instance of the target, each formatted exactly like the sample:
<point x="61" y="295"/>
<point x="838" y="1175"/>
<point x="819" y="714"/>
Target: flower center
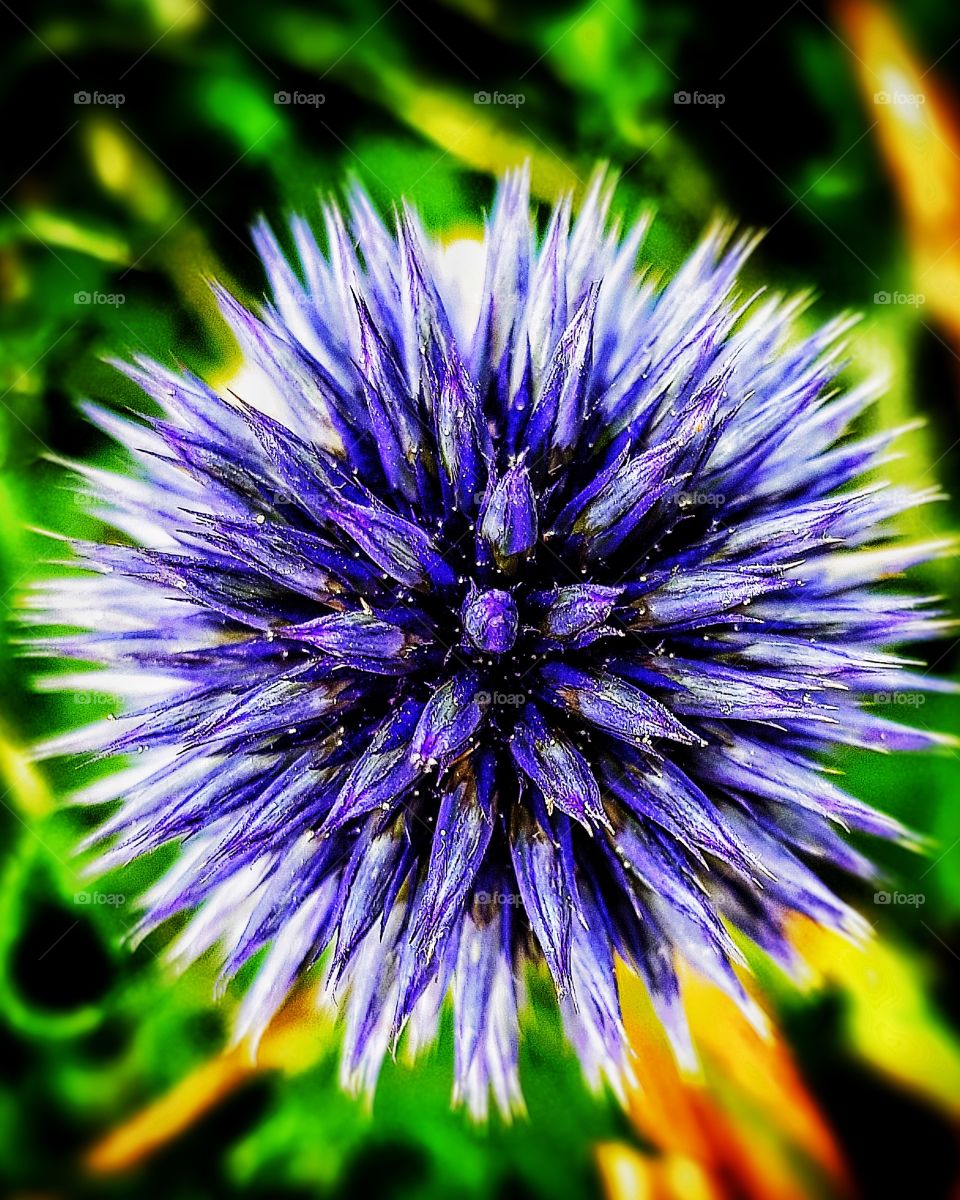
<point x="490" y="620"/>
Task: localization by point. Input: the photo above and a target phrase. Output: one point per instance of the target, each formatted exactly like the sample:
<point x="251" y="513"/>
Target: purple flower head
<point x="495" y="617"/>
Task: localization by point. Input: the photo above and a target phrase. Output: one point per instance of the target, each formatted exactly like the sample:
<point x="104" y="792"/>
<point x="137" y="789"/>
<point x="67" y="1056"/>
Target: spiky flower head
<point x="498" y="616"/>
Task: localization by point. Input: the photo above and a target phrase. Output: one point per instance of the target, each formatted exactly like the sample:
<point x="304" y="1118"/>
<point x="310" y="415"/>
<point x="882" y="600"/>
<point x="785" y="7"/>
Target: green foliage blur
<point x="112" y="212"/>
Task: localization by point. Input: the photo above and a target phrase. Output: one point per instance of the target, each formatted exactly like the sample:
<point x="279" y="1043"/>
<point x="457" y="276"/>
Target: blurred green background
<point x="141" y="140"/>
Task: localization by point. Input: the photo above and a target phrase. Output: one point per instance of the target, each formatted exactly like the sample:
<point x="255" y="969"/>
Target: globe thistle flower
<point x="497" y="616"/>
